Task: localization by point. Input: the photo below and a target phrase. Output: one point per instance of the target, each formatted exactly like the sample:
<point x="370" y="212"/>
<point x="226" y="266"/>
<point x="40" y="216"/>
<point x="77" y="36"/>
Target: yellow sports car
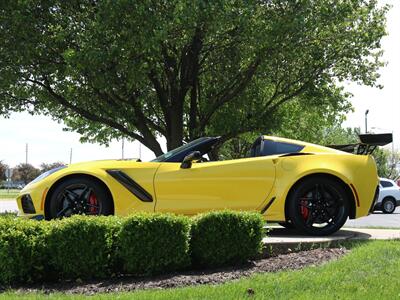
<point x="310" y="187"/>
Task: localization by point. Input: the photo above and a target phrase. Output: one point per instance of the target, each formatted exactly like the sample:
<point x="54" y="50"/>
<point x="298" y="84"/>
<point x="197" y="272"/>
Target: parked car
<point x="310" y="187"/>
<point x="389" y="196"/>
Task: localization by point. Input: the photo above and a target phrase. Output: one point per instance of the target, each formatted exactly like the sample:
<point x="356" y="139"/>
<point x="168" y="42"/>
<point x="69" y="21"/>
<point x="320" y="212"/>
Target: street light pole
<point x="366" y="119"/>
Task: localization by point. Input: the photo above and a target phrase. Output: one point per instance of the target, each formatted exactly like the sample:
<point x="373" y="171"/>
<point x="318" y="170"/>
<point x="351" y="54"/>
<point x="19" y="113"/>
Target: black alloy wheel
<point x="79" y="195"/>
<point x="318" y="206"/>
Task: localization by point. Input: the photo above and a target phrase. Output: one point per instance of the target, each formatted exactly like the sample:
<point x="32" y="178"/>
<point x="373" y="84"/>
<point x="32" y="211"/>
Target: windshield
<point x="182" y="148"/>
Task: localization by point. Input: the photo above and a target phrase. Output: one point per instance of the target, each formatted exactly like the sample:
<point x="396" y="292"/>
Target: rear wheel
<point x="79" y="195"/>
<point x="388" y="205"/>
<point x="318" y="206"/>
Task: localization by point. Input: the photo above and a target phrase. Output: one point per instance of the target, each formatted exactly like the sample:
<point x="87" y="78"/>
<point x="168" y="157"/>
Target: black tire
<point x="287" y="224"/>
<point x="318" y="206"/>
<point x="79" y="195"/>
<point x="388" y="205"/>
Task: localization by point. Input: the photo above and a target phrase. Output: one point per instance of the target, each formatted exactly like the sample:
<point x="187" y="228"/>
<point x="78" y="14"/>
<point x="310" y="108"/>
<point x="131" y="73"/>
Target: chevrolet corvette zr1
<point x="310" y="187"/>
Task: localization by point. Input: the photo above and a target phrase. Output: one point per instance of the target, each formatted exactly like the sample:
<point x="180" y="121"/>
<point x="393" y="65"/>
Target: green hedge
<point x="142" y="244"/>
<point x="221" y="238"/>
<point x="22" y="250"/>
<point x="151" y="243"/>
<point x="81" y="246"/>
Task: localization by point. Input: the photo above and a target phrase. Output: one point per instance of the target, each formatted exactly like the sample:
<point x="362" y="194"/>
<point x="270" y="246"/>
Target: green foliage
<point x="313" y="126"/>
<point x="97" y="247"/>
<point x="221" y="238"/>
<point x="3" y="168"/>
<point x="22" y="250"/>
<point x="149" y="243"/>
<point x="81" y="246"/>
<point x="386" y="162"/>
<point x="183" y="69"/>
<point x="338" y="135"/>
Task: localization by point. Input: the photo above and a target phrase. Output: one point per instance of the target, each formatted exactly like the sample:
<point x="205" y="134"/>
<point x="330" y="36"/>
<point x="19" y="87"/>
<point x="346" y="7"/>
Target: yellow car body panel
<point x="214" y="185"/>
<point x="357" y="171"/>
<point x="258" y="183"/>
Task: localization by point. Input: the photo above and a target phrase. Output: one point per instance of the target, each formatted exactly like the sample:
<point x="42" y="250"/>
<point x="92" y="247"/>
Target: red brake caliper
<point x="93" y="201"/>
<point x="303" y="208"/>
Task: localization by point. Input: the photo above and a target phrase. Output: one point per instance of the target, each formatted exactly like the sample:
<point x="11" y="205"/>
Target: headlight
<point x="46" y="174"/>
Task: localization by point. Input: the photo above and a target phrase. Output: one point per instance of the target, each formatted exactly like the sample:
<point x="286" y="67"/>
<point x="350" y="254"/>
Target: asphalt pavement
<point x="377" y="219"/>
<point x="8" y="206"/>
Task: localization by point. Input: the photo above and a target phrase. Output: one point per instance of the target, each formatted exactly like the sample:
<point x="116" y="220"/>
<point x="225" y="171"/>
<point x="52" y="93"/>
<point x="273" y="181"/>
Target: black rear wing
<point x="367" y="145"/>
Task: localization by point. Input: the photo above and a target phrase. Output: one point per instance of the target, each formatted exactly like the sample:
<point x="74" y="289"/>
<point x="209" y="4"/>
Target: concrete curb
<point x="281" y="240"/>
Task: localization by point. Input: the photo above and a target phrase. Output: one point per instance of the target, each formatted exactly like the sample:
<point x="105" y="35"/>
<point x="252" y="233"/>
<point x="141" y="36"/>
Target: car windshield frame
<point x="168" y="156"/>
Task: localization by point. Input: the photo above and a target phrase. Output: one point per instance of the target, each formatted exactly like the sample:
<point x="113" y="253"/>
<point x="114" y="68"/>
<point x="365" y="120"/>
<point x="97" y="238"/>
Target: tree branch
<point x="92" y="117"/>
<point x="235" y="88"/>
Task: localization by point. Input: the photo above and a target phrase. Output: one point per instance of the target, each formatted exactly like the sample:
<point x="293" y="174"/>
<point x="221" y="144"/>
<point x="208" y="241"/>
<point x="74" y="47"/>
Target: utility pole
<point x="366" y="119"/>
<point x="140" y="150"/>
<point x="70" y="156"/>
<point x="26" y="153"/>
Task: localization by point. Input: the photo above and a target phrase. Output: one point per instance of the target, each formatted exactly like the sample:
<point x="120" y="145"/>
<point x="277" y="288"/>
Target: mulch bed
<point x="291" y="261"/>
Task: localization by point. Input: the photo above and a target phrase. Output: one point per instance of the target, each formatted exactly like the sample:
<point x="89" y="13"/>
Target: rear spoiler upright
<point x="367" y="145"/>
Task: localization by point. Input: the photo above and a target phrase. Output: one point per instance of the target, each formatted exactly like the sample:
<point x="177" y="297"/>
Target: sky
<point x="47" y="142"/>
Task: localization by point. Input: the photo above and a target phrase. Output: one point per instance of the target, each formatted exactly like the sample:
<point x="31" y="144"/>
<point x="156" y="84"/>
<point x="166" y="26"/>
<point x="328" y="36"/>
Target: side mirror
<point x="187" y="161"/>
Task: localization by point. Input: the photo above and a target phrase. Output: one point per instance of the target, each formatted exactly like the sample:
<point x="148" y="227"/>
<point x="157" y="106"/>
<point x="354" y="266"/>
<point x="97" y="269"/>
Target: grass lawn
<point x="370" y="271"/>
<point x="8" y="194"/>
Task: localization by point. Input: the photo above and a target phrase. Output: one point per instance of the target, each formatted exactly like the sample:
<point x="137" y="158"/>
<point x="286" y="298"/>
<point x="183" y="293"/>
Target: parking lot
<point x="377" y="219"/>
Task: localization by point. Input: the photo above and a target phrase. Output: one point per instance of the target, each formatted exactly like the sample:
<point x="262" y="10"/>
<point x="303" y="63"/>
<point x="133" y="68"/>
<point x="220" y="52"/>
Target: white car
<point x="389" y="196"/>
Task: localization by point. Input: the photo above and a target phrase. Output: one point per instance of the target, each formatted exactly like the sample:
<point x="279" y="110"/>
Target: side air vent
<point x="131" y="185"/>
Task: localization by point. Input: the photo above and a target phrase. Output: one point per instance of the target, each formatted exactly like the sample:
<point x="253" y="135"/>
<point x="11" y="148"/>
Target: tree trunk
<point x="175" y="130"/>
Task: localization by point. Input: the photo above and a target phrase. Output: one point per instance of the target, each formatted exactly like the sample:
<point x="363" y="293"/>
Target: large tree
<point x="3" y="168"/>
<point x="44" y="167"/>
<point x="25" y="172"/>
<point x="182" y="69"/>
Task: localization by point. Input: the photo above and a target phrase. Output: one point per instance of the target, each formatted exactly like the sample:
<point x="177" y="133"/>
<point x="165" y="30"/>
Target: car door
<point x="241" y="184"/>
<point x="132" y="185"/>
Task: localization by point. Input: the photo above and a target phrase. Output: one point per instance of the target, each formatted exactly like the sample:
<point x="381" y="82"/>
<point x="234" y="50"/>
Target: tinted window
<point x="273" y="148"/>
<point x="386" y="183"/>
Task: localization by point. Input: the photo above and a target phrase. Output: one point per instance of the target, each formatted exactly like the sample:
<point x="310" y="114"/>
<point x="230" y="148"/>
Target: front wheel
<point x="318" y="206"/>
<point x="79" y="195"/>
<point x="388" y="205"/>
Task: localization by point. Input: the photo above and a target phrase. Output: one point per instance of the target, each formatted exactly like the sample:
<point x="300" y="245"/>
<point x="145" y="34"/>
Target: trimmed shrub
<point x="22" y="250"/>
<point x="81" y="246"/>
<point x="153" y="243"/>
<point x="221" y="238"/>
<point x="142" y="244"/>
